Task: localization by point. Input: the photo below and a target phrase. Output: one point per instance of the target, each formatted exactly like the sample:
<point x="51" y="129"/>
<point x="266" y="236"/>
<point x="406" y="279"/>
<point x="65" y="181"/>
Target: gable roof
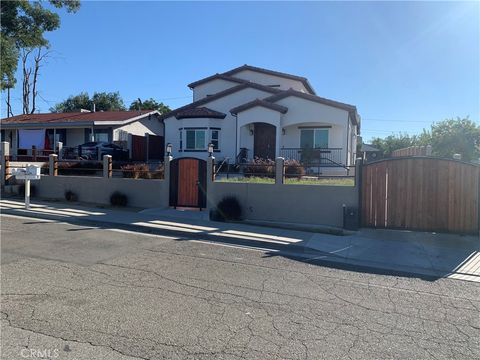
<point x="220" y="95"/>
<point x="201" y="112"/>
<point x="259" y="102"/>
<point x="77" y="117"/>
<point x="302" y="79"/>
<point x="217" y="76"/>
<point x="290" y="92"/>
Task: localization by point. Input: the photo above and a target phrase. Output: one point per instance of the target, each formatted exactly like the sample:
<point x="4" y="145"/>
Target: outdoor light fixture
<point x="283" y="131"/>
<point x="210" y="149"/>
<point x="251" y="130"/>
<point x="169" y="149"/>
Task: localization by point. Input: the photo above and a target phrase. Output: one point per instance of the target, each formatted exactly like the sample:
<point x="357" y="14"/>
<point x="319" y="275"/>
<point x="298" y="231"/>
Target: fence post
<point x="34" y="153"/>
<point x="359" y="188"/>
<point x="147" y="143"/>
<point x="107" y="166"/>
<point x="210" y="183"/>
<point x="53" y="165"/>
<point x="129" y="145"/>
<point x="279" y="170"/>
<point x="5" y="164"/>
<point x="58" y="149"/>
<point x="429" y="150"/>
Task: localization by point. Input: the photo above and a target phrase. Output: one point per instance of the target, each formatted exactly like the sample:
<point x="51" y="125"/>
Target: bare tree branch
<point x="39" y="57"/>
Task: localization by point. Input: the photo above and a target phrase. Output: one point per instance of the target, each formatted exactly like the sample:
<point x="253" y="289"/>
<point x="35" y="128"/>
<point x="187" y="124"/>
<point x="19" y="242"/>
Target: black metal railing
<point x="317" y="157"/>
<point x="242" y="156"/>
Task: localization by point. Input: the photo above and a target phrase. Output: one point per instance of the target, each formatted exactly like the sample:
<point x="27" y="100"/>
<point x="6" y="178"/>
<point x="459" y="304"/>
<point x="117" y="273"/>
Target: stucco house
<point x="75" y="128"/>
<point x="253" y="112"/>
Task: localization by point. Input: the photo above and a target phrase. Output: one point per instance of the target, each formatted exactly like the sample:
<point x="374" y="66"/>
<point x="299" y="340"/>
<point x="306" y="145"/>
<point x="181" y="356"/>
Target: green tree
<point x="103" y="101"/>
<point x="394" y="142"/>
<point x="149" y="104"/>
<point x="456" y="136"/>
<point x="23" y="24"/>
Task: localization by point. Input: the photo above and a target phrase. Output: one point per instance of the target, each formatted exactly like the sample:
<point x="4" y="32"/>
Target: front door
<point x="264" y="140"/>
<point x="188" y="180"/>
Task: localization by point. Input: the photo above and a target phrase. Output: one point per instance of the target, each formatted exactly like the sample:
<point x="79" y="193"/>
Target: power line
<point x="395" y="120"/>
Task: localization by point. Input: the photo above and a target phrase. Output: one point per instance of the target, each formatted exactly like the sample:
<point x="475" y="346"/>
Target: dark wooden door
<point x="188" y="180"/>
<point x="264" y="141"/>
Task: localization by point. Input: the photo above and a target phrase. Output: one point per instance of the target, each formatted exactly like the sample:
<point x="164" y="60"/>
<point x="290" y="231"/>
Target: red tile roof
<point x="201" y="112"/>
<point x="73" y="117"/>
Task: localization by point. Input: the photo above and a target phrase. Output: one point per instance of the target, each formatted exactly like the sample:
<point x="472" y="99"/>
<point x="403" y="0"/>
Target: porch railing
<point x="317" y="157"/>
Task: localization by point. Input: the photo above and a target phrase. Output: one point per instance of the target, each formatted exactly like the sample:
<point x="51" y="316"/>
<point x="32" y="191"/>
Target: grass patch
<point x="292" y="181"/>
<point x="250" y="180"/>
<point x="322" y="181"/>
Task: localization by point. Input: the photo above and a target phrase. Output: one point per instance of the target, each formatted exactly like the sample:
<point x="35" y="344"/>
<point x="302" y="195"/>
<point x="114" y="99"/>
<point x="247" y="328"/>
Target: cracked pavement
<point x="93" y="293"/>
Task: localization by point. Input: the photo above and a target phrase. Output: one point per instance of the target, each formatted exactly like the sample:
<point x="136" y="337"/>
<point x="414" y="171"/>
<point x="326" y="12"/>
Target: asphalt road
<point x="74" y="292"/>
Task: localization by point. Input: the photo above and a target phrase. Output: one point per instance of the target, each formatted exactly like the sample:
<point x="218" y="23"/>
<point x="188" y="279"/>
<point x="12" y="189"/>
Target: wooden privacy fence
<point x="421" y="193"/>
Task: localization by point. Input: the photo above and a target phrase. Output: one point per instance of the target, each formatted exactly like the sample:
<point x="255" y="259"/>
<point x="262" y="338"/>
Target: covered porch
<point x="36" y="144"/>
<point x="317" y="144"/>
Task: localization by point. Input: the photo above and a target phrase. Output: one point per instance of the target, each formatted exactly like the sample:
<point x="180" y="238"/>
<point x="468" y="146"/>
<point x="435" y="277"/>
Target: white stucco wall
<point x="265" y="79"/>
<point x="211" y="87"/>
<point x="259" y="114"/>
<point x="228" y="145"/>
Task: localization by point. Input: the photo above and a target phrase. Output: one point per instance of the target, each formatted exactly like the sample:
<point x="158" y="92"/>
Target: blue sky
<point x="404" y="65"/>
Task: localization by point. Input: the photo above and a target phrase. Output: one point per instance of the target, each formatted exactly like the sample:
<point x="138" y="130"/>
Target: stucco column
<point x="166" y="178"/>
<point x="278" y="140"/>
<point x="210" y="182"/>
<point x="279" y="170"/>
<point x="5" y="149"/>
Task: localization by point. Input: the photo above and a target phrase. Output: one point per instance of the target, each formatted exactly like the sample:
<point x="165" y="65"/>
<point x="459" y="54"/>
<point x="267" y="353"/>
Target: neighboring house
<point x="75" y="128"/>
<point x="370" y="153"/>
<point x="252" y="112"/>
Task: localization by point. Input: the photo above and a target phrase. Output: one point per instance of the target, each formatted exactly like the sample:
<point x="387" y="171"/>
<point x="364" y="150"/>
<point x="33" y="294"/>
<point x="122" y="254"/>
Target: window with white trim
<point x="215" y="138"/>
<point x="313" y="138"/>
<point x="196" y="139"/>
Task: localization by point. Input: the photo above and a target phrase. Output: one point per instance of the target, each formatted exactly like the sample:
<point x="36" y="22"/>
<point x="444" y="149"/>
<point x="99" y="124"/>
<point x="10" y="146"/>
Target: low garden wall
<point x="308" y="204"/>
<point x="140" y="192"/>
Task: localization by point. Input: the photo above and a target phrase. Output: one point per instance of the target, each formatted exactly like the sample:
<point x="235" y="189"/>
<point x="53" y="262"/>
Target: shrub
<point x="118" y="199"/>
<point x="142" y="171"/>
<point x="158" y="173"/>
<point x="293" y="169"/>
<point x="71" y="196"/>
<point x="136" y="171"/>
<point x="229" y="208"/>
<point x="21" y="190"/>
<point x="260" y="168"/>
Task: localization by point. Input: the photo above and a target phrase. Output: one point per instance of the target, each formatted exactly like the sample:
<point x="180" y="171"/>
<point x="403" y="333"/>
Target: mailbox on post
<point x="30" y="172"/>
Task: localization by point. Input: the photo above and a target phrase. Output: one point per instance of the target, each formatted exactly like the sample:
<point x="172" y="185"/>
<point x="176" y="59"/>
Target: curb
<point x="202" y="235"/>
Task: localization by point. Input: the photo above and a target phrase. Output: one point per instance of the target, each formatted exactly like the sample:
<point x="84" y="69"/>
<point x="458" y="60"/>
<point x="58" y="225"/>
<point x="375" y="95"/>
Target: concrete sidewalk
<point x="435" y="255"/>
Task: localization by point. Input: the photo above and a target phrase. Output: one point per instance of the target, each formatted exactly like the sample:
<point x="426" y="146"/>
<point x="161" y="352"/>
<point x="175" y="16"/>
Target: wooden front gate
<point x="188" y="183"/>
<point x="421" y="193"/>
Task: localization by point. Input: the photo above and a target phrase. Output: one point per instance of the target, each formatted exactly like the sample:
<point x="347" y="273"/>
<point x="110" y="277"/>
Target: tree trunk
<point x="26" y="82"/>
<point x="38" y="59"/>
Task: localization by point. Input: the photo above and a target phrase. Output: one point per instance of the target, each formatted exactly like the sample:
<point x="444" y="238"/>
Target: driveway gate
<point x="188" y="183"/>
<point x="421" y="193"/>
